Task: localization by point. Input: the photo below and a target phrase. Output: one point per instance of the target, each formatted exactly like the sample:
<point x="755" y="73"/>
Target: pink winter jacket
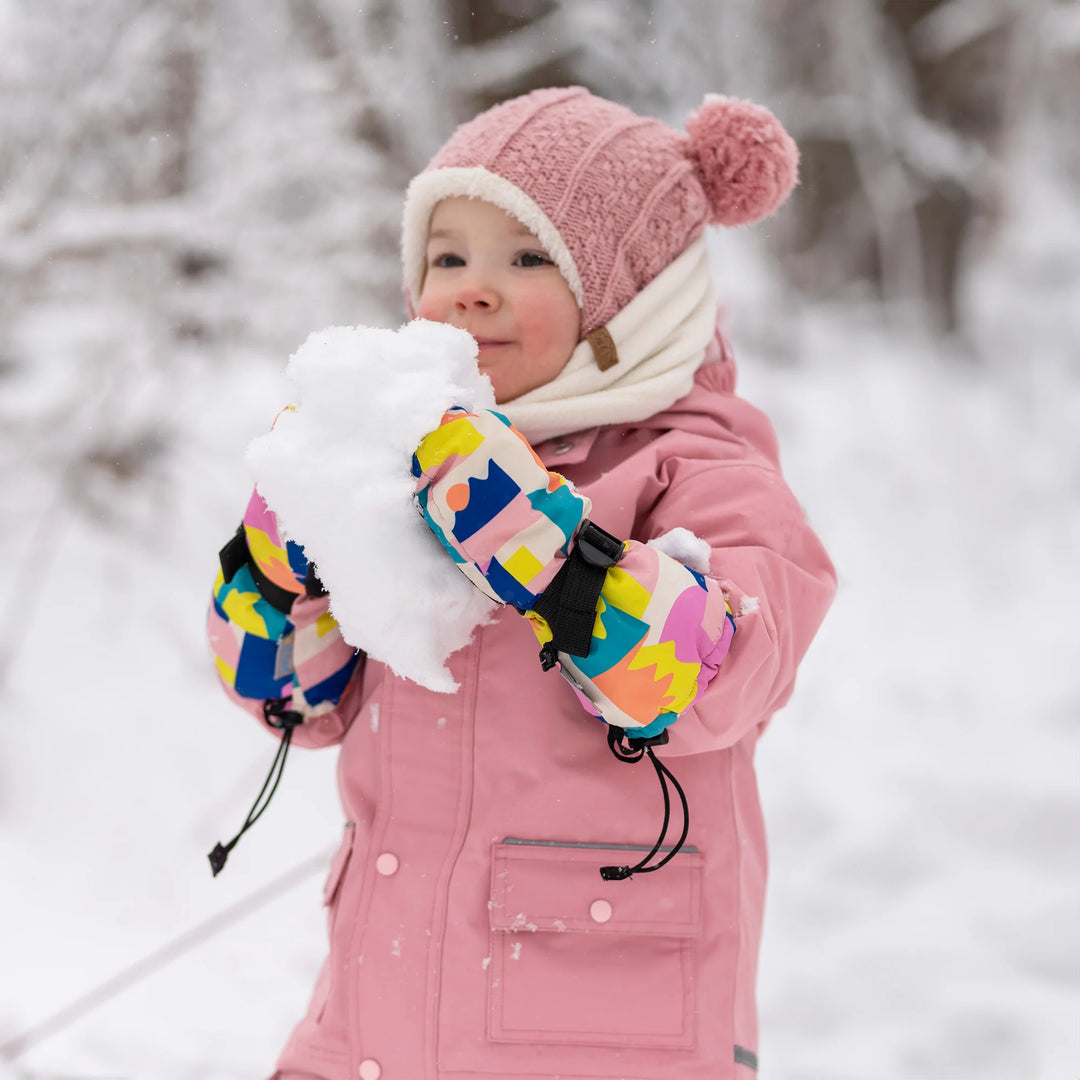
<point x="471" y="935"/>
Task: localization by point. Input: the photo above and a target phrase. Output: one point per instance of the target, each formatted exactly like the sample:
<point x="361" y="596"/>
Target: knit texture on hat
<point x="613" y="196"/>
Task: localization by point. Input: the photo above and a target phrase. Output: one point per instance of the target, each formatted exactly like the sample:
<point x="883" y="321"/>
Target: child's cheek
<point x="431" y="306"/>
<point x="552" y="328"/>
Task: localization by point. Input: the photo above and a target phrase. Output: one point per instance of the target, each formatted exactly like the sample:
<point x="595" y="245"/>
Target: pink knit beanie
<point x="614" y="197"/>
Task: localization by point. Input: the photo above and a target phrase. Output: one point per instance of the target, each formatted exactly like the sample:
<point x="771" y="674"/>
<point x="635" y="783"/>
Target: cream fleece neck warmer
<point x="661" y="336"/>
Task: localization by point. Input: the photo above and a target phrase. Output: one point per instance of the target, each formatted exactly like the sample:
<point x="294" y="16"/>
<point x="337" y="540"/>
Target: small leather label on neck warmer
<point x="603" y="347"/>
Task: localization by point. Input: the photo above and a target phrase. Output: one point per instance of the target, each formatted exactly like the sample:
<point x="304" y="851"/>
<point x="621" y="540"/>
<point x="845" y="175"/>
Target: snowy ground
<point x="921" y="791"/>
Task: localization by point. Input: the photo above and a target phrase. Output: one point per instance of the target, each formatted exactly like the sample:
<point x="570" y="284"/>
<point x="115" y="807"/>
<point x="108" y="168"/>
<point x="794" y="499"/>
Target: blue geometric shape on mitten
<point x="507" y="587"/>
<point x="298" y="562"/>
<point x="487" y="496"/>
<point x="255" y="669"/>
<point x="699" y="578"/>
<point x="333" y="686"/>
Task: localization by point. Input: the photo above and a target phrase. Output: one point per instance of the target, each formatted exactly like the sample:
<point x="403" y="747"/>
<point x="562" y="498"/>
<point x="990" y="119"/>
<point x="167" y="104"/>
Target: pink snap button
<point x="370" y="1069"/>
<point x="600" y="911"/>
<point x="387" y="864"/>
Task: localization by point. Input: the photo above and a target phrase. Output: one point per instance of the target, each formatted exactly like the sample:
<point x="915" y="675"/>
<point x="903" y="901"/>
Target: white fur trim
<point x="661" y="337"/>
<point x="430" y="188"/>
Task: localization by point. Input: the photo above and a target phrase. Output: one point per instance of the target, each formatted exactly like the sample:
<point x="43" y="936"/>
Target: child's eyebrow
<point x="440" y="234"/>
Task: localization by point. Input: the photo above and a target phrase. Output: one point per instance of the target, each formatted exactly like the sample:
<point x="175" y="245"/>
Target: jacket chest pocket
<point x="582" y="961"/>
<point x="328" y="985"/>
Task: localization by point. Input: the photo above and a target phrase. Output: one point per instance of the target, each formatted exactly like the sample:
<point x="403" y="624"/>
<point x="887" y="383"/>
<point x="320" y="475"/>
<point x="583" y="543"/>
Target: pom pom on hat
<point x="748" y="163"/>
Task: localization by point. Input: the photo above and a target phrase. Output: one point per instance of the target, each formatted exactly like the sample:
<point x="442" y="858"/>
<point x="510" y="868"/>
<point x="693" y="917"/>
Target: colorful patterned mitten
<point x="661" y="628"/>
<point x="270" y="637"/>
<point x="662" y="631"/>
<point x="502" y="517"/>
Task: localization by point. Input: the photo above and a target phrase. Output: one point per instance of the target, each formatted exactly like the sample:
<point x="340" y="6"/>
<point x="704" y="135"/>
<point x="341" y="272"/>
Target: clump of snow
<point x="748" y="605"/>
<point x="683" y="545"/>
<point x="337" y="472"/>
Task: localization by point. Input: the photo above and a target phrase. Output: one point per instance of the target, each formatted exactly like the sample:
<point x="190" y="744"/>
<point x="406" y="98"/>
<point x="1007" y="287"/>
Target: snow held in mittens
<point x="336" y="471"/>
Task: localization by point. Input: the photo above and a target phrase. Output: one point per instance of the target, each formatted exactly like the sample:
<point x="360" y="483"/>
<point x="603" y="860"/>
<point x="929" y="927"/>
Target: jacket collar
<point x="715" y="377"/>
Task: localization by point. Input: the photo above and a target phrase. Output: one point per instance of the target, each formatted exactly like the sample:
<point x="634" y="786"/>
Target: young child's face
<point x="486" y="273"/>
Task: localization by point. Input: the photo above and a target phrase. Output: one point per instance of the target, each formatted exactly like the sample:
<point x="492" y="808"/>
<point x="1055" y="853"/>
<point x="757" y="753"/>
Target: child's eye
<point x="533" y="258"/>
<point x="446" y="261"/>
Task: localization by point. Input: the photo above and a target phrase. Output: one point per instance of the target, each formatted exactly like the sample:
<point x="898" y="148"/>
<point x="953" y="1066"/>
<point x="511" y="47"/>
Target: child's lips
<point x="486" y="344"/>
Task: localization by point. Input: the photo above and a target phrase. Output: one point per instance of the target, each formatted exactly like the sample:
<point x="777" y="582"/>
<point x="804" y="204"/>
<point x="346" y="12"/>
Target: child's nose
<point x="476" y="294"/>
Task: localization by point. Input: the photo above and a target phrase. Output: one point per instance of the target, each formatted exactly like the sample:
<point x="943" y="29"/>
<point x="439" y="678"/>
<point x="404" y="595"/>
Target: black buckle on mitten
<point x="568" y="604"/>
<point x="236" y="554"/>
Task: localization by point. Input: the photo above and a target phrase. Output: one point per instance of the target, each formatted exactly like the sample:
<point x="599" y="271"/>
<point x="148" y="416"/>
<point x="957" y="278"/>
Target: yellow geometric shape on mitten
<point x="540" y="627"/>
<point x="272" y="560"/>
<point x="523" y="565"/>
<point x="240" y="608"/>
<point x="227" y="673"/>
<point x="649" y="681"/>
<point x="457" y="437"/>
<point x="599" y="629"/>
<point x="623" y="591"/>
<point x="679" y="676"/>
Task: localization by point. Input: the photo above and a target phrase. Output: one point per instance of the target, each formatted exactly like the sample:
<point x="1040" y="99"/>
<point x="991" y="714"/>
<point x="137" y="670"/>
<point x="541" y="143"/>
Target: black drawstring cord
<point x="634" y="751"/>
<point x="277" y="716"/>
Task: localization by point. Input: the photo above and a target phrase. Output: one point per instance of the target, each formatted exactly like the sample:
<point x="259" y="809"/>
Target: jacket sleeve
<point x="775" y="575"/>
<point x="290" y="650"/>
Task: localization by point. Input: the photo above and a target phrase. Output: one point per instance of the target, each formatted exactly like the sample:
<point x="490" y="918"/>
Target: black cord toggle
<point x="283" y="719"/>
<point x="633" y="751"/>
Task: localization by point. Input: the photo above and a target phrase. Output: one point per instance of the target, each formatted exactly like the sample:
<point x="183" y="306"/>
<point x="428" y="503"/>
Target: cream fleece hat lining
<point x="430" y="188"/>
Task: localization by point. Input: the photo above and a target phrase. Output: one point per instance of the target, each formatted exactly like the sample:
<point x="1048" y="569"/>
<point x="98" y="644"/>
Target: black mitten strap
<point x="568" y="604"/>
<point x="236" y="554"/>
<point x="634" y="751"/>
<point x="285" y="720"/>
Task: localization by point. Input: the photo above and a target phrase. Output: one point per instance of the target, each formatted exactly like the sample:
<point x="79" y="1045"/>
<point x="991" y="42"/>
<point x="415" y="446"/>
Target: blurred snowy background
<point x="187" y="187"/>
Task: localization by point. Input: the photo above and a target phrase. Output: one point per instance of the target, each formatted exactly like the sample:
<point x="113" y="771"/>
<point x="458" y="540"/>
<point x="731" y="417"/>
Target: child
<point x="470" y="933"/>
